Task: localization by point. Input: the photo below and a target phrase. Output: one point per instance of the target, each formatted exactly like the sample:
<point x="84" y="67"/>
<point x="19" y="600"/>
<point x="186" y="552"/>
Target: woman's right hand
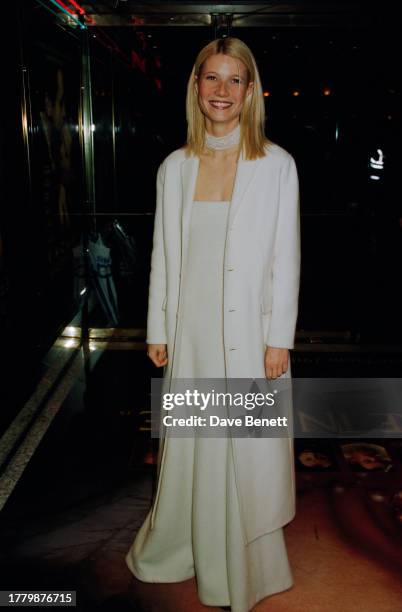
<point x="157" y="354"/>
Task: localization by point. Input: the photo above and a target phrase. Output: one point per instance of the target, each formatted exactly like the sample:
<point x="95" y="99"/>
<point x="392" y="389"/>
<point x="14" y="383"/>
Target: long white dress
<point x="197" y="529"/>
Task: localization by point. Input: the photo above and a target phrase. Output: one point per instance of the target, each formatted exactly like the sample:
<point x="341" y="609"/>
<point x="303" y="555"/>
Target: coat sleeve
<point x="156" y="323"/>
<point x="286" y="260"/>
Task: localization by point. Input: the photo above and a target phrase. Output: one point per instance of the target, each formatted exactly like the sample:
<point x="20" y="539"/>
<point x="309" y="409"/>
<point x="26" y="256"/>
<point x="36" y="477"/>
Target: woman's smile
<point x="220" y="105"/>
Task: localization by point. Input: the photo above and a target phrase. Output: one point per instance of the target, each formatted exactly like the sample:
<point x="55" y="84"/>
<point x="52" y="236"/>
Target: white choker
<point x="223" y="142"/>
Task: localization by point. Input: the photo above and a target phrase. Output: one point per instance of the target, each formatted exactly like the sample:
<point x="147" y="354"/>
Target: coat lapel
<point x="189" y="172"/>
<point x="245" y="171"/>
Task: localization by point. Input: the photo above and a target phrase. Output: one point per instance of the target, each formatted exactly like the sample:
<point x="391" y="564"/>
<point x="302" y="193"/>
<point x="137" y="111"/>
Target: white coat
<point x="261" y="287"/>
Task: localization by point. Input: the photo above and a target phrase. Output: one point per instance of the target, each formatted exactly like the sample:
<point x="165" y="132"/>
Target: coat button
<point x="232" y="309"/>
<point x="232" y="349"/>
<point x="230" y="269"/>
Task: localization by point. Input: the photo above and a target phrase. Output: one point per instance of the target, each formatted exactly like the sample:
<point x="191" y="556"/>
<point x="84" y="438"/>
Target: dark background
<point x="351" y="228"/>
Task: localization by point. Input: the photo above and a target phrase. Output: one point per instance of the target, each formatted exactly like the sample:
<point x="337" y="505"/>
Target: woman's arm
<point x="156" y="324"/>
<point x="286" y="262"/>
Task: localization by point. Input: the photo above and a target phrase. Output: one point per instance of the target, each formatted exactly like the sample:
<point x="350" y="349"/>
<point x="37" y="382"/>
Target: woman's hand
<point x="276" y="361"/>
<point x="158" y="354"/>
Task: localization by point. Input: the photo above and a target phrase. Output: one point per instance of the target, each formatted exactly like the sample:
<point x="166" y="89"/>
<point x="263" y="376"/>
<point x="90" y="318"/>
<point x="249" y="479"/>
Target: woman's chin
<point x="220" y="117"/>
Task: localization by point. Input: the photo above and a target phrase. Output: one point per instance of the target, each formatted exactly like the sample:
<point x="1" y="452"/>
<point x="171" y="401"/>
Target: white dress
<point x="197" y="529"/>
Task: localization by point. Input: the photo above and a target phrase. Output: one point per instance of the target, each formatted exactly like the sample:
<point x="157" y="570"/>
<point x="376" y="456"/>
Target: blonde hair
<point x="252" y="117"/>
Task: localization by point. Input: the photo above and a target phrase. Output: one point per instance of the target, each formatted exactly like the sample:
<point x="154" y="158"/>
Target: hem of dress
<point x="251" y="539"/>
<point x="155" y="579"/>
<point x="213" y="603"/>
<point x="276" y="590"/>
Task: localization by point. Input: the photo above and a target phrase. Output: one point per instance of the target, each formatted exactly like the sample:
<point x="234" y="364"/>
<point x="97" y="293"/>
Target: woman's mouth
<point x="220" y="105"/>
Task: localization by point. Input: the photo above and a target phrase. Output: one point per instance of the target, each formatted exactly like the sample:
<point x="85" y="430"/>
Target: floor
<point x="74" y="512"/>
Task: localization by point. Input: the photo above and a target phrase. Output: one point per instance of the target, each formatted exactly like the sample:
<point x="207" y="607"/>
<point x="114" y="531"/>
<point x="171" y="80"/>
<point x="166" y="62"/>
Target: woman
<point x="223" y="300"/>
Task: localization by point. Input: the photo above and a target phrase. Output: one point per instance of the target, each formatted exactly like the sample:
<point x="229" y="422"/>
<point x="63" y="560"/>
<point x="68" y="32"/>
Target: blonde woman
<point x="223" y="300"/>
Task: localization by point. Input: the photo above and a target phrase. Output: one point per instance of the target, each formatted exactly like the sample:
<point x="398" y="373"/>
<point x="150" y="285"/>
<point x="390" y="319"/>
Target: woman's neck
<point x="223" y="156"/>
<point x="223" y="146"/>
<point x="220" y="130"/>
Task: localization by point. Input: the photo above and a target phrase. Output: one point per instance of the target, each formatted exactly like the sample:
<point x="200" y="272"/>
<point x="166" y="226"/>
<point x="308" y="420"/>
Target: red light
<point x="66" y="8"/>
<point x="266" y="94"/>
<point x="327" y="91"/>
<point x="77" y="6"/>
<point x="296" y="93"/>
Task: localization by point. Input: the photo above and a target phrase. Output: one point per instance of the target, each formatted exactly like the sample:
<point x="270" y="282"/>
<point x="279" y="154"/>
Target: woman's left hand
<point x="276" y="361"/>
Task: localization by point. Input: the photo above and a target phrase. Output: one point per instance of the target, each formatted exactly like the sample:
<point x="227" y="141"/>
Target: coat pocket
<point x="266" y="320"/>
<point x="266" y="307"/>
<point x="267" y="295"/>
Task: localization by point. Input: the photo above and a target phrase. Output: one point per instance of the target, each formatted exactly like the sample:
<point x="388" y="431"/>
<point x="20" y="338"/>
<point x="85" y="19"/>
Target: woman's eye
<point x="236" y="80"/>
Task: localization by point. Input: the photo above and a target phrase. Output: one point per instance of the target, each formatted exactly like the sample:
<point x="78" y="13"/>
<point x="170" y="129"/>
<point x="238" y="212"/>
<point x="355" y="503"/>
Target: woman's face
<point x="222" y="89"/>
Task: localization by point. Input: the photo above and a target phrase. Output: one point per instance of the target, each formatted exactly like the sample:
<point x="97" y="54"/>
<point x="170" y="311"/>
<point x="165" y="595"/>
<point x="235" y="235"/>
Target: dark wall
<point x="41" y="189"/>
<point x="351" y="231"/>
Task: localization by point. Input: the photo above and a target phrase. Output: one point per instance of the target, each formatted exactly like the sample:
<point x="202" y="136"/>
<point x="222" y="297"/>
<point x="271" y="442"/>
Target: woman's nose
<point x="222" y="88"/>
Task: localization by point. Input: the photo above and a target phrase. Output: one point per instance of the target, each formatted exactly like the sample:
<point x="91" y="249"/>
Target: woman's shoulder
<point x="175" y="157"/>
<point x="273" y="151"/>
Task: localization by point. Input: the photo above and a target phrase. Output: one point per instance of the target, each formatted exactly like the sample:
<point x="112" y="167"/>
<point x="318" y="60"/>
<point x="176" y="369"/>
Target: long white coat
<point x="261" y="287"/>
